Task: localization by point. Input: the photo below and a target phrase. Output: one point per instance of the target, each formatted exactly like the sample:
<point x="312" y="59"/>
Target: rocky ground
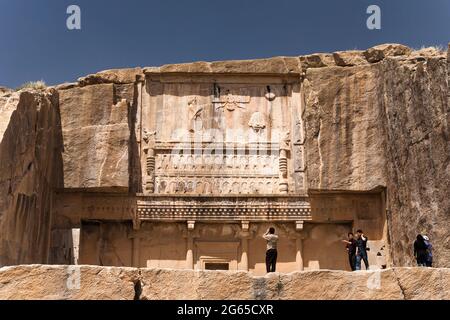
<point x="44" y="282"/>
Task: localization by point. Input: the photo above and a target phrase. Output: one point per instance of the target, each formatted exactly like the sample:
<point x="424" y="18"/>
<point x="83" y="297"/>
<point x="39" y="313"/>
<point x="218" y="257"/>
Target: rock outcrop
<point x="386" y="124"/>
<point x="42" y="282"/>
<point x="30" y="170"/>
<point x="96" y="135"/>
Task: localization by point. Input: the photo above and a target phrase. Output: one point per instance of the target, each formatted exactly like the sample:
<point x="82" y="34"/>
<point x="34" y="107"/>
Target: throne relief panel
<point x="203" y="138"/>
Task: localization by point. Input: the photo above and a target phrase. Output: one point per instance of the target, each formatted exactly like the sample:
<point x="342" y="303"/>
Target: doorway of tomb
<point x="215" y="255"/>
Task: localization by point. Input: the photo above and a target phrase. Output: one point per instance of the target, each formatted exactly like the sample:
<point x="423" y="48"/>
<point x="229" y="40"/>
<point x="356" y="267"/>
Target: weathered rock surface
<point x="382" y="51"/>
<point x="96" y="136"/>
<point x="349" y="58"/>
<point x="117" y="76"/>
<point x="30" y="168"/>
<point x="4" y="90"/>
<point x="8" y="103"/>
<point x="386" y="124"/>
<point x="99" y="283"/>
<point x="343" y="128"/>
<point x="277" y="65"/>
<point x="417" y="131"/>
<point x="41" y="282"/>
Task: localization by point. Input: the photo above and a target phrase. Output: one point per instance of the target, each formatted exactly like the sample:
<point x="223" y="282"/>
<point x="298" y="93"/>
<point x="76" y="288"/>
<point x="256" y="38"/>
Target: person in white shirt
<point x="271" y="253"/>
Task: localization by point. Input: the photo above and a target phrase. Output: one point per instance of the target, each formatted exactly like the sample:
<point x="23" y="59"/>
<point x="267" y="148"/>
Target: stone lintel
<point x="232" y="208"/>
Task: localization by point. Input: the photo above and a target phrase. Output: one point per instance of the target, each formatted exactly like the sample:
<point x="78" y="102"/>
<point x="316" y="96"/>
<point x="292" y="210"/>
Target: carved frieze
<point x="232" y="100"/>
<point x="230" y="208"/>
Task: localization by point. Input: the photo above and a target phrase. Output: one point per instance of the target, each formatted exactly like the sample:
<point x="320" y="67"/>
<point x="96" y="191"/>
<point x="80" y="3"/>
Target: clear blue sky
<point x="35" y="43"/>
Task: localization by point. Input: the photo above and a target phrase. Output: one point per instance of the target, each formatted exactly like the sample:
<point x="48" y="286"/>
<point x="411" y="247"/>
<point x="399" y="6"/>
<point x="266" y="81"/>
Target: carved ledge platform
<point x="223" y="208"/>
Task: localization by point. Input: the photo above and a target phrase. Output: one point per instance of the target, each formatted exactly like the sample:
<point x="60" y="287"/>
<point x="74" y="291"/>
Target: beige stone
<point x="118" y="76"/>
<point x="349" y="58"/>
<point x="343" y="129"/>
<point x="336" y="285"/>
<point x="29" y="165"/>
<point x="67" y="85"/>
<point x="40" y="282"/>
<point x="417" y="147"/>
<point x="8" y="103"/>
<point x="96" y="136"/>
<point x="276" y="65"/>
<point x="423" y="283"/>
<point x="195" y="285"/>
<point x="378" y="53"/>
<point x="317" y="60"/>
<point x="43" y="282"/>
<point x="4" y="90"/>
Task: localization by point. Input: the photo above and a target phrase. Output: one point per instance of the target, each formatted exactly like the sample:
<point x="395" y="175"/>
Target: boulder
<point x="378" y="53"/>
<point x="43" y="282"/>
<point x="349" y="58"/>
<point x="118" y="76"/>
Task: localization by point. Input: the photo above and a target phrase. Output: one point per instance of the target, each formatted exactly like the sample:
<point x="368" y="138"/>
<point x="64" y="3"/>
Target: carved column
<point x="283" y="163"/>
<point x="149" y="157"/>
<point x="299" y="245"/>
<point x="299" y="254"/>
<point x="135" y="237"/>
<point x="190" y="245"/>
<point x="244" y="253"/>
<point x="136" y="252"/>
<point x="150" y="166"/>
<point x="244" y="235"/>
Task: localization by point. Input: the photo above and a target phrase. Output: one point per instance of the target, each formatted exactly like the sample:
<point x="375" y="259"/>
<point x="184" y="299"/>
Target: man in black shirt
<point x="361" y="250"/>
<point x="351" y="250"/>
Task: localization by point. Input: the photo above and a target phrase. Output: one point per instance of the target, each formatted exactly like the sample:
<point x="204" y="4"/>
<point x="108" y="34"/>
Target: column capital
<point x="299" y="225"/>
<point x="247" y="231"/>
<point x="191" y="225"/>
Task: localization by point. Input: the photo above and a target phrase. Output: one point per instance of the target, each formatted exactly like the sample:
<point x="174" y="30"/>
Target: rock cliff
<point x="385" y="122"/>
<point x="31" y="169"/>
<point x="378" y="117"/>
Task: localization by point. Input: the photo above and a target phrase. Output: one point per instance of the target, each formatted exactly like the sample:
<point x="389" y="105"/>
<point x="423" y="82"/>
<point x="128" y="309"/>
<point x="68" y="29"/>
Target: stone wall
<point x="30" y="170"/>
<point x="43" y="282"/>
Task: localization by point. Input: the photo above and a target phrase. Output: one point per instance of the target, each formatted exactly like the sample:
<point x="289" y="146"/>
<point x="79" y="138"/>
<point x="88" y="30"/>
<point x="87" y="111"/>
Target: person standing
<point x="351" y="250"/>
<point x="420" y="251"/>
<point x="429" y="260"/>
<point x="271" y="253"/>
<point x="361" y="250"/>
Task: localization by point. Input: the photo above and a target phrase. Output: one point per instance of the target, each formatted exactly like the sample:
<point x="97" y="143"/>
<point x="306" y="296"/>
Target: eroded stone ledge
<point x="45" y="282"/>
<point x="268" y="66"/>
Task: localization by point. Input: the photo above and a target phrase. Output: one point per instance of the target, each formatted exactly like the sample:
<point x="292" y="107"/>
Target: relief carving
<point x="231" y="103"/>
<point x="194" y="113"/>
<point x="150" y="160"/>
<point x="257" y="122"/>
<point x="283" y="162"/>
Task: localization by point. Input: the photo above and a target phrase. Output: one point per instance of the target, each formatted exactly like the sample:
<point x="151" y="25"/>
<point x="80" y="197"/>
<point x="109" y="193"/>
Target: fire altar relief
<point x="213" y="138"/>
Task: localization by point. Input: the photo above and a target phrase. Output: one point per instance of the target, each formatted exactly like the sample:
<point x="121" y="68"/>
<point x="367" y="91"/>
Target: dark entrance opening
<point x="216" y="266"/>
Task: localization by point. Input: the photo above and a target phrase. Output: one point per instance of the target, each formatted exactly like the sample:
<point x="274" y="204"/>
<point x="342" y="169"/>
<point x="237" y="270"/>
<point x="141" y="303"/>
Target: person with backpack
<point x="361" y="250"/>
<point x="429" y="260"/>
<point x="420" y="251"/>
